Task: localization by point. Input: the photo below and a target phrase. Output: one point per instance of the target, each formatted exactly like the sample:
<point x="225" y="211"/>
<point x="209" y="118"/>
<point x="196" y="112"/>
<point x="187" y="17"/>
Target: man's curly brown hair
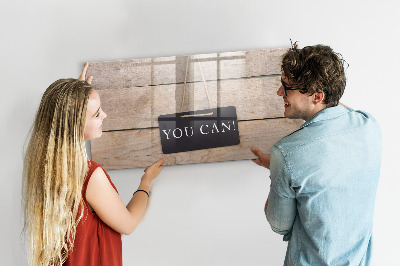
<point x="316" y="69"/>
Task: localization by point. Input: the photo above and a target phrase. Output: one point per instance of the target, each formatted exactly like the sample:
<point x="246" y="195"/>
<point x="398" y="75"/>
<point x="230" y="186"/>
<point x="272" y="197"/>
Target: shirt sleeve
<point x="281" y="210"/>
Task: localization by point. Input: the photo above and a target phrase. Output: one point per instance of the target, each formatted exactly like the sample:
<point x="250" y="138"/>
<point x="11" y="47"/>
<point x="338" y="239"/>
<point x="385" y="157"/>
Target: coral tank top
<point x="95" y="242"/>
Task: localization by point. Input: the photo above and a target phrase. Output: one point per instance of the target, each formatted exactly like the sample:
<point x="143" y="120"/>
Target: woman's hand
<point x="151" y="172"/>
<point x="83" y="74"/>
<point x="263" y="159"/>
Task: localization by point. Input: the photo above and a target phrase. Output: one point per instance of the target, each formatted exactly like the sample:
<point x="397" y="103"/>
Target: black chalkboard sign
<point x="197" y="130"/>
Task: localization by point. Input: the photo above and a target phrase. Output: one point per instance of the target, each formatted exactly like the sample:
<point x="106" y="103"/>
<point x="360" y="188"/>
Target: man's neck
<point x="318" y="108"/>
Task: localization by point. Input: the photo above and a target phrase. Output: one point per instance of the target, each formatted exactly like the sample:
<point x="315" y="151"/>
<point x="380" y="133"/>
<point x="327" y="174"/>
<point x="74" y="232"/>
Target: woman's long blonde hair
<point x="55" y="167"/>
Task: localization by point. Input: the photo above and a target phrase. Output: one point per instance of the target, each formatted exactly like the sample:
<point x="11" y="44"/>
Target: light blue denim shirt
<point x="324" y="178"/>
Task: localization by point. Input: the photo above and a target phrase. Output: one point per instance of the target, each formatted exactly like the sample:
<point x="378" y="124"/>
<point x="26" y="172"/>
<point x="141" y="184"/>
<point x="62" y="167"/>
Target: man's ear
<point x="318" y="97"/>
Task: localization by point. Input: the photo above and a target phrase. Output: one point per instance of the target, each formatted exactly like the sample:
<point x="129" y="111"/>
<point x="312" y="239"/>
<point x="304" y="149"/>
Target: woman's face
<point x="94" y="117"/>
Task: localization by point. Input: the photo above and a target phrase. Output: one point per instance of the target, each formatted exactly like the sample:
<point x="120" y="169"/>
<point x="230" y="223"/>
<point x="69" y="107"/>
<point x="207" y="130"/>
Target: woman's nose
<point x="280" y="91"/>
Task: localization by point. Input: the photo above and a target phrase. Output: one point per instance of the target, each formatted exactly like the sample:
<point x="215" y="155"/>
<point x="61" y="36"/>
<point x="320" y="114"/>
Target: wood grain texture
<point x="172" y="70"/>
<point x="141" y="148"/>
<point x="140" y="107"/>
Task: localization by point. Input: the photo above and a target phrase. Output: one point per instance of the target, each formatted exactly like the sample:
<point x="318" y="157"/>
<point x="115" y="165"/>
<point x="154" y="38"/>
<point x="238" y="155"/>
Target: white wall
<point x="206" y="214"/>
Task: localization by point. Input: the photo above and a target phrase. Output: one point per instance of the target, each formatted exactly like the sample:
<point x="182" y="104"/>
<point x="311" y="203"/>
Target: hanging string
<point x="184" y="87"/>
<point x="184" y="84"/>
<point x="204" y="81"/>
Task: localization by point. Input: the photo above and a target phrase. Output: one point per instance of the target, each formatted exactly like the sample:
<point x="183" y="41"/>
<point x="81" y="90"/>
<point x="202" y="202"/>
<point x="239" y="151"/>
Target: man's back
<point x="326" y="173"/>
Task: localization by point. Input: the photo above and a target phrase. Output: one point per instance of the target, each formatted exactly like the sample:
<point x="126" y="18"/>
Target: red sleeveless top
<point x="95" y="242"/>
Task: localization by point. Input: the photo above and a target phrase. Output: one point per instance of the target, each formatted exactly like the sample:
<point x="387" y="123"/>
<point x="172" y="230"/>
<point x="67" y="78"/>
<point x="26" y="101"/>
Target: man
<point x="324" y="175"/>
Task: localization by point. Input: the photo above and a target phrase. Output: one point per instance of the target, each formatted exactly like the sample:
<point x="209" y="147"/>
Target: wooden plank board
<point x="141" y="148"/>
<point x="134" y="93"/>
<point x="140" y="107"/>
<point x="172" y="69"/>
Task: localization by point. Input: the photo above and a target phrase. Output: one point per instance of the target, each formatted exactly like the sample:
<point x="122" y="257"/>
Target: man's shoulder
<point x="348" y="123"/>
<point x="292" y="141"/>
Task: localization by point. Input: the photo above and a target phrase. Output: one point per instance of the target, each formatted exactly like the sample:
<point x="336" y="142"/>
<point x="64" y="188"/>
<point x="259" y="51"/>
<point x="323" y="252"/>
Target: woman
<point x="73" y="213"/>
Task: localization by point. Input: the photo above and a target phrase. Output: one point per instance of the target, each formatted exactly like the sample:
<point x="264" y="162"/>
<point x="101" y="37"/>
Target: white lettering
<point x="215" y="127"/>
<point x="173" y="133"/>
<point x="223" y="125"/>
<point x="186" y="128"/>
<point x="166" y="132"/>
<point x="201" y="129"/>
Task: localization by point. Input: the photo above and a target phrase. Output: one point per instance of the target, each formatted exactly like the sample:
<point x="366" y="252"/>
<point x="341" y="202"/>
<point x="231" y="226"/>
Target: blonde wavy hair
<point x="55" y="167"/>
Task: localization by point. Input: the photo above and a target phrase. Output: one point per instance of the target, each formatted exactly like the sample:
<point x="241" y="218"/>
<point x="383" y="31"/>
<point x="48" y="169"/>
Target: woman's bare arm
<point x="108" y="205"/>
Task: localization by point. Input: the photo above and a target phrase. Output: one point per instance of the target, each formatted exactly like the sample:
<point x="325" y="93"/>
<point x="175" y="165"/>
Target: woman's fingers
<point x="83" y="74"/>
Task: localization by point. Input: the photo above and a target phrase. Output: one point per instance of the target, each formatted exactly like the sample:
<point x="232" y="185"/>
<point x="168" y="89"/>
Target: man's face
<point x="297" y="104"/>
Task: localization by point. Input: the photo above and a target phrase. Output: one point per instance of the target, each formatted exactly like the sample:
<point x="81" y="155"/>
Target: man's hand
<point x="263" y="159"/>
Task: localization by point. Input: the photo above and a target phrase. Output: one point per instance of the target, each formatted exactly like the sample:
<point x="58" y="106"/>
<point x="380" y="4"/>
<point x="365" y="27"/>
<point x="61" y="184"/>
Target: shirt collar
<point x="326" y="114"/>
